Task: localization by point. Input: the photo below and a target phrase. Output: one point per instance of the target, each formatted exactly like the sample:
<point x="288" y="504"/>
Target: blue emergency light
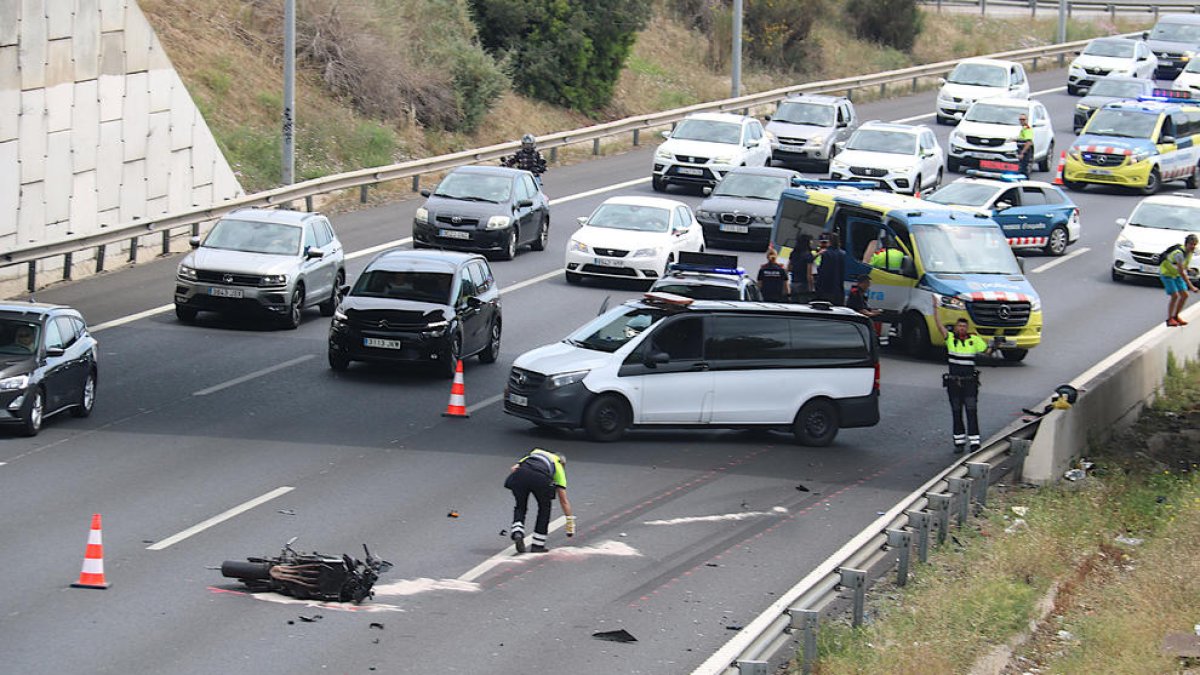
<point x="708" y="263"/>
<point x="814" y="183"/>
<point x="1007" y="176"/>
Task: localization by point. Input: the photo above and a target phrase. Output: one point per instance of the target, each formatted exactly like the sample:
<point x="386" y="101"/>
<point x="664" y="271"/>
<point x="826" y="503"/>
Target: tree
<point x="895" y="23"/>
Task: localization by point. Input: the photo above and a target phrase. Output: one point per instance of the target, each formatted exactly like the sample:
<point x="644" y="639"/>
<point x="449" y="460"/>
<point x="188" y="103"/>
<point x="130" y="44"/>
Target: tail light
<point x="877" y="377"/>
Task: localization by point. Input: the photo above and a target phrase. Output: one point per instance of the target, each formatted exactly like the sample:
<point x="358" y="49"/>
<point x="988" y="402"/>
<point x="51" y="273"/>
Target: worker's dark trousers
<point x="964" y="396"/>
<point x="524" y="482"/>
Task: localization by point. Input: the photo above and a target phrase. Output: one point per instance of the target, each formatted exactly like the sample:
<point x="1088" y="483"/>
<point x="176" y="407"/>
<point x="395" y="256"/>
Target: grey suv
<point x="268" y="261"/>
<point x="807" y="128"/>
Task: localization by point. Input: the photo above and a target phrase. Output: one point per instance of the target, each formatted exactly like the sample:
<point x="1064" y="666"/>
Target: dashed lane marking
<point x="1054" y="263"/>
<point x="219" y="518"/>
<point x="256" y="374"/>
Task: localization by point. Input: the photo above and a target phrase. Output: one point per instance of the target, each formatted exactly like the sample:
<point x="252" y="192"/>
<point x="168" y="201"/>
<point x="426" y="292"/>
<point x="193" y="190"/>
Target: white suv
<point x="703" y="147"/>
<point x="973" y="79"/>
<point x="1155" y="224"/>
<point x="1119" y="57"/>
<point x="900" y="157"/>
<point x="990" y="129"/>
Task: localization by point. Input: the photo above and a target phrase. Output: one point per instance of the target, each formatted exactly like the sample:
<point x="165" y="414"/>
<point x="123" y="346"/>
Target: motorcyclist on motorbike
<point x="527" y="158"/>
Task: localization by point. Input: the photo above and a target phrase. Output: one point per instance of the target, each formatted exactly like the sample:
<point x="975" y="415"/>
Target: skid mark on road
<point x="367" y="607"/>
<point x="725" y="517"/>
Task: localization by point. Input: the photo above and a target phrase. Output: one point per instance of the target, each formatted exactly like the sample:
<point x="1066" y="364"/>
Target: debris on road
<point x="311" y="619"/>
<point x="615" y="636"/>
<point x="734" y="626"/>
<point x="712" y="564"/>
<point x="376" y="624"/>
<point x="1018" y="525"/>
<point x="287" y="512"/>
<point x="1020" y="510"/>
<point x="801" y="488"/>
<point x="452" y="514"/>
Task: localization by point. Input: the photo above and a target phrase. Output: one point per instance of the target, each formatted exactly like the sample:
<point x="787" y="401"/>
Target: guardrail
<point x="925" y="512"/>
<point x="1051" y="6"/>
<point x="132" y="232"/>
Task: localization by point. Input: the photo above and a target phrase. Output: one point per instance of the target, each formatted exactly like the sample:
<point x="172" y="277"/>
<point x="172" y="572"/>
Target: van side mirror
<point x="654" y="359"/>
<point x="194" y="242"/>
<point x="707" y="190"/>
<point x="908" y="268"/>
<point x="1166" y="139"/>
<point x="582" y="220"/>
<point x="666" y="135"/>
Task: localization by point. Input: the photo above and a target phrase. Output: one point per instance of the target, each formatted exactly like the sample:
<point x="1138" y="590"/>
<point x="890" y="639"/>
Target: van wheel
<point x="1193" y="181"/>
<point x="816" y="424"/>
<point x="1073" y="186"/>
<point x="1153" y="182"/>
<point x="1015" y="355"/>
<point x="916" y="336"/>
<point x="606" y="418"/>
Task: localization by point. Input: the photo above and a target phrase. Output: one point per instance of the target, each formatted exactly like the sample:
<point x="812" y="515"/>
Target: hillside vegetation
<point x="381" y="81"/>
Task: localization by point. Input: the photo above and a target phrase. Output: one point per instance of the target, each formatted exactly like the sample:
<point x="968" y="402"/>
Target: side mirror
<point x="425" y="192"/>
<point x="1001" y="206"/>
<point x="1146" y="35"/>
<point x="474" y="302"/>
<point x="706" y="190"/>
<point x="666" y="135"/>
<point x="55" y="351"/>
<point x="767" y="118"/>
<point x="908" y="268"/>
<point x="524" y="203"/>
<point x="344" y="291"/>
<point x="1021" y="263"/>
<point x="314" y="253"/>
<point x="1121" y="222"/>
<point x="840" y="145"/>
<point x="582" y="220"/>
<point x="654" y="359"/>
<point x="941" y="80"/>
<point x="1166" y="139"/>
<point x="194" y="242"/>
<point x="1078" y="52"/>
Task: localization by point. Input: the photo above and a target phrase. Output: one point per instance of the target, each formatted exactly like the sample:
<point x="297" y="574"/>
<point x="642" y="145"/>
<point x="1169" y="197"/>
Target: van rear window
<point x="805" y="341"/>
<point x="797" y="217"/>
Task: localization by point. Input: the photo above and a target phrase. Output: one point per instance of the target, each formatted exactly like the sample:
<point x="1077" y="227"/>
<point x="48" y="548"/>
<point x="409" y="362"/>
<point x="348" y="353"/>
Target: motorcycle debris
<point x="452" y="514"/>
<point x="287" y="512"/>
<point x="734" y="626"/>
<point x="376" y="625"/>
<point x="615" y="636"/>
<point x="503" y="533"/>
<point x="801" y="488"/>
<point x="311" y="619"/>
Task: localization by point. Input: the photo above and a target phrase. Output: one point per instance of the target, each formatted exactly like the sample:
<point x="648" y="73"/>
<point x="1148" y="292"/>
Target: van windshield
<point x="964" y="249"/>
<point x="1122" y="123"/>
<point x="613" y="329"/>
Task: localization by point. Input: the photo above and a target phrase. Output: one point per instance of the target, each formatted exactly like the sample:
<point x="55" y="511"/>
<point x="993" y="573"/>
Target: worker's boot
<point x="518" y="538"/>
<point x="538" y="548"/>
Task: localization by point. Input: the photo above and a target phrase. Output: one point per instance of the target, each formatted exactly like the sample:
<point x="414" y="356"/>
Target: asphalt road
<point x="370" y="459"/>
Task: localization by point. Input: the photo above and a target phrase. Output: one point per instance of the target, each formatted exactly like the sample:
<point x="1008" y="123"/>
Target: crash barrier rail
<point x="926" y="512"/>
<point x="363" y="178"/>
<point x="1051" y="6"/>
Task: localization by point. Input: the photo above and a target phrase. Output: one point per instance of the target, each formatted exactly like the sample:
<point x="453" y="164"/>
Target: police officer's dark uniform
<point x="772" y="281"/>
<point x="542" y="474"/>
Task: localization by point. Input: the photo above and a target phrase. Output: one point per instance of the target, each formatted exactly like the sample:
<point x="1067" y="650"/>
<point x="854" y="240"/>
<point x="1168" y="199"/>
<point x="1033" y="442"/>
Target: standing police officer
<point x="542" y="474"/>
<point x="962" y="380"/>
<point x="1025" y="145"/>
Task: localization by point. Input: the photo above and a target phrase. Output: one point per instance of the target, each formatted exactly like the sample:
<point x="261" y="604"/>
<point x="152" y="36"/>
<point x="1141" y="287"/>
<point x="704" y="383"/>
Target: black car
<point x="740" y="210"/>
<point x="1105" y="91"/>
<point x="418" y="306"/>
<point x="707" y="276"/>
<point x="47" y="364"/>
<point x="489" y="209"/>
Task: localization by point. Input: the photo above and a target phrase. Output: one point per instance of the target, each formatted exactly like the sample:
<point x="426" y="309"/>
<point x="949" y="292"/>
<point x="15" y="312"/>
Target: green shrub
<point x="895" y="23"/>
<point x="478" y="81"/>
<point x="774" y="31"/>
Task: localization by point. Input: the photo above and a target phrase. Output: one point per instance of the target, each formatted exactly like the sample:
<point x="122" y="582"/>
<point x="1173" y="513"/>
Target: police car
<point x="1033" y="214"/>
<point x="707" y="276"/>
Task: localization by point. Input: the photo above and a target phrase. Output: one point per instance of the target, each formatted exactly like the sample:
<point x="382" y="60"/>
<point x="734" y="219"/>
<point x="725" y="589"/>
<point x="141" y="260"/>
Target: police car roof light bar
<point x="1167" y="95"/>
<point x="715" y="263"/>
<point x="1006" y="176"/>
<point x="813" y="183"/>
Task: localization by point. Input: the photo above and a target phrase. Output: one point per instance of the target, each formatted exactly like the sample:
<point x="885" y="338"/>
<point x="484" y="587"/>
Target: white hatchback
<point x="900" y="157"/>
<point x="1189" y="79"/>
<point x="974" y="79"/>
<point x="1119" y="57"/>
<point x="1155" y="224"/>
<point x="703" y="147"/>
<point x="632" y="238"/>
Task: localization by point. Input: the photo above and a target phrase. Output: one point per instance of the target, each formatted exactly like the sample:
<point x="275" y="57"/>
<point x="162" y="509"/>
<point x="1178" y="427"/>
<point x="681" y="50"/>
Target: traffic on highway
<point x="287" y="378"/>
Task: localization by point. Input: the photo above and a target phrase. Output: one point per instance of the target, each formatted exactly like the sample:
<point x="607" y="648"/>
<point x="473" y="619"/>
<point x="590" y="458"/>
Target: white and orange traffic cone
<point x="457" y="407"/>
<point x="92" y="575"/>
<point x="1058" y="173"/>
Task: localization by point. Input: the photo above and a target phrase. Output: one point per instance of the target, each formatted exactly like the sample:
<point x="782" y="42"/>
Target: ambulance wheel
<point x="1015" y="355"/>
<point x="1153" y="182"/>
<point x="915" y="335"/>
<point x="1056" y="243"/>
<point x="1193" y="181"/>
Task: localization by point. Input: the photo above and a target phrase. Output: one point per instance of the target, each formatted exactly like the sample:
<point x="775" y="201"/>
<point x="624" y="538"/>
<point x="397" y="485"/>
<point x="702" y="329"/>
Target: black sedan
<point x="740" y="211"/>
<point x="418" y="306"/>
<point x="47" y="364"/>
<point x="488" y="209"/>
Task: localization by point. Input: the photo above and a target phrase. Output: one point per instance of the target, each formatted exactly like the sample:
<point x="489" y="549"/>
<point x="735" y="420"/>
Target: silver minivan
<point x="265" y="261"/>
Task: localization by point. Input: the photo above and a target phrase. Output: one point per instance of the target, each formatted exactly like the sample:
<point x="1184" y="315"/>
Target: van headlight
<point x="14" y="383"/>
<point x="498" y="222"/>
<point x="564" y="379"/>
<point x="422" y="215"/>
<point x="435" y="328"/>
<point x="1140" y="155"/>
<point x="1035" y="304"/>
<point x="576" y="245"/>
<point x="186" y="272"/>
<point x="951" y="302"/>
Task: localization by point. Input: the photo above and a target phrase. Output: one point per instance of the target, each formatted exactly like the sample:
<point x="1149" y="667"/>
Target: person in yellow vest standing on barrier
<point x="962" y="379"/>
<point x="542" y="474"/>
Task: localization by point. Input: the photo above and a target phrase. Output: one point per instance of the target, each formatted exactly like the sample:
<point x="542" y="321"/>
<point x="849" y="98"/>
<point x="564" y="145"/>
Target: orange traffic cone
<point x="92" y="575"/>
<point x="1058" y="174"/>
<point x="457" y="407"/>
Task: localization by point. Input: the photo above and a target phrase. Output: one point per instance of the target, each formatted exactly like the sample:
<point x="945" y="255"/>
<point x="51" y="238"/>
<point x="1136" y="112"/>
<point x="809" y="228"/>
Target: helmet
<point x="527" y="141"/>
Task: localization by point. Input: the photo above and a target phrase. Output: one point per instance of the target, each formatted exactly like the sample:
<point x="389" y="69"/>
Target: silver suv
<point x="807" y="129"/>
<point x="263" y="260"/>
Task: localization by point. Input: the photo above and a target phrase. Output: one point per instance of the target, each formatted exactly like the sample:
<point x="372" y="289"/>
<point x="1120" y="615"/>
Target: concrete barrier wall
<point x="96" y="128"/>
<point x="1112" y="395"/>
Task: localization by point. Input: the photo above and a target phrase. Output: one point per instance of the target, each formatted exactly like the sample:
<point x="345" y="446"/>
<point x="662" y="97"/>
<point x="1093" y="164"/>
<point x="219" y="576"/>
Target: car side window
<point x="53" y="339"/>
<point x="748" y="338"/>
<point x="682" y="339"/>
<point x="80" y="326"/>
<point x="530" y="187"/>
<point x="466" y="287"/>
<point x="66" y="330"/>
<point x="1054" y="197"/>
<point x="1032" y="196"/>
<point x="683" y="219"/>
<point x="321" y="230"/>
<point x="310" y="236"/>
<point x="843" y="116"/>
<point x="476" y="274"/>
<point x="1012" y="196"/>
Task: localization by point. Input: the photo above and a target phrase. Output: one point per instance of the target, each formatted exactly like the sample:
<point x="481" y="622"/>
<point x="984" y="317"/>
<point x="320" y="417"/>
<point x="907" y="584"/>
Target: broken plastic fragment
<point x="615" y="636"/>
<point x="1075" y="474"/>
<point x="375" y="624"/>
<point x="801" y="488"/>
<point x="1020" y="510"/>
<point x="1018" y="525"/>
<point x="452" y="514"/>
<point x="311" y="619"/>
<point x="287" y="512"/>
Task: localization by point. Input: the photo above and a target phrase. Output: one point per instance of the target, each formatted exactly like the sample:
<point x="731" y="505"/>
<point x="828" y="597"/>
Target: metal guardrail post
<point x="810" y="619"/>
<point x="752" y="668"/>
<point x="554" y="154"/>
<point x="980" y="473"/>
<point x="362" y="194"/>
<point x="1019" y="447"/>
<point x="882" y="89"/>
<point x="68" y="260"/>
<point x="915" y="84"/>
<point x="133" y="247"/>
<point x="1154" y="8"/>
<point x="100" y="252"/>
<point x="31" y="284"/>
<point x="308" y="203"/>
<point x="1112" y="12"/>
<point x="166" y="242"/>
<point x="982" y="7"/>
<point x="940" y="503"/>
<point x="919" y="521"/>
<point x="636" y="137"/>
<point x="961" y="489"/>
<point x="901" y="540"/>
<point x="856" y="581"/>
<point x="196" y="226"/>
<point x="416" y="183"/>
<point x="595" y="146"/>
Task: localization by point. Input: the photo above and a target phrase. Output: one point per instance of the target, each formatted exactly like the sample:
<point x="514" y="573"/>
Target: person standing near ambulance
<point x="542" y="474"/>
<point x="962" y="379"/>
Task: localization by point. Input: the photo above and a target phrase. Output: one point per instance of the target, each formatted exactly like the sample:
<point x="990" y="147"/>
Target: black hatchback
<point x="47" y="364"/>
<point x="488" y="209"/>
<point x="418" y="306"/>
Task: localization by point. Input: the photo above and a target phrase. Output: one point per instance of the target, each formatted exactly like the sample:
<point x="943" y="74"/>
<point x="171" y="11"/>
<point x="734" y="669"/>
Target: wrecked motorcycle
<point x="310" y="575"/>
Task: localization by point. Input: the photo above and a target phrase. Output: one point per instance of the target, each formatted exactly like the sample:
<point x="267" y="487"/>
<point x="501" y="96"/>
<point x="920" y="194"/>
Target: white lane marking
<point x="219" y="518"/>
<point x="379" y="247"/>
<point x="600" y="190"/>
<point x="3" y="463"/>
<point x="484" y="403"/>
<point x="1053" y="263"/>
<point x="531" y="281"/>
<point x="1031" y="94"/>
<point x="744" y="515"/>
<point x="131" y="318"/>
<point x="425" y="585"/>
<point x="504" y="556"/>
<point x="250" y="376"/>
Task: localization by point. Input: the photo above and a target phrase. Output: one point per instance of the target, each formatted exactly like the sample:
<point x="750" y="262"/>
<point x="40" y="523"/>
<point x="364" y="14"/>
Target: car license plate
<point x="517" y="399"/>
<point x="1148" y="268"/>
<point x="608" y="262"/>
<point x="1100" y="172"/>
<point x="381" y="343"/>
<point x="225" y="292"/>
<point x="740" y="229"/>
<point x="454" y="234"/>
<point x="691" y="172"/>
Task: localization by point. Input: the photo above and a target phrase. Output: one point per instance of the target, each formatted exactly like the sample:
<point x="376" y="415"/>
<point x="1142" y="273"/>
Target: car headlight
<point x="15" y="383"/>
<point x="563" y="379"/>
<point x="186" y="272"/>
<point x="706" y="214"/>
<point x="957" y="136"/>
<point x="646" y="252"/>
<point x="1035" y="304"/>
<point x="498" y="222"/>
<point x="951" y="302"/>
<point x="576" y="245"/>
<point x="662" y="154"/>
<point x="1187" y="56"/>
<point x="839" y="164"/>
<point x="1074" y="154"/>
<point x="275" y="280"/>
<point x="1124" y="242"/>
<point x="422" y="215"/>
<point x="818" y="139"/>
<point x="435" y="328"/>
<point x="723" y="159"/>
<point x="766" y="220"/>
<point x="339" y="316"/>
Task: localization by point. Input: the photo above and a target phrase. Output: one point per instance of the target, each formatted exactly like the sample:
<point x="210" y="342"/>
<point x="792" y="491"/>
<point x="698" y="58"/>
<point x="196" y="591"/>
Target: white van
<point x="670" y="361"/>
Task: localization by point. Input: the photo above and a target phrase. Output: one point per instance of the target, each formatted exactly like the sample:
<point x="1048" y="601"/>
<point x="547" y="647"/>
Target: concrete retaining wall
<point x="1112" y="395"/>
<point x="96" y="128"/>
